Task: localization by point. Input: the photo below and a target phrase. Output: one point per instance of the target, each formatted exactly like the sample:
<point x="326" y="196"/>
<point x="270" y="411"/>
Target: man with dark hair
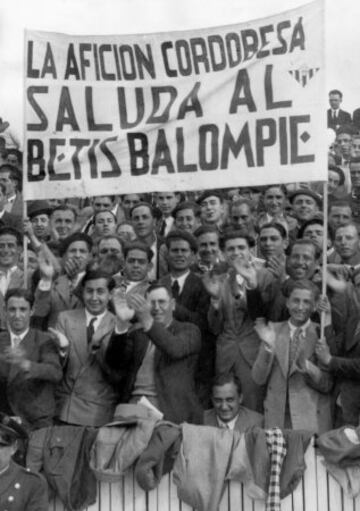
<point x="335" y="116"/>
<point x="10" y="176"/>
<point x="87" y="395"/>
<point x="347" y="244"/>
<point x="339" y="213"/>
<point x="166" y="202"/>
<point x="63" y="221"/>
<point x="6" y="218"/>
<point x="298" y="390"/>
<point x="209" y="253"/>
<point x="158" y="360"/>
<point x="272" y="243"/>
<point x="242" y="215"/>
<point x="29" y="364"/>
<point x="56" y="293"/>
<point x="20" y="489"/>
<point x="227" y="411"/>
<point x="186" y="216"/>
<point x="137" y="264"/>
<point x="274" y="201"/>
<point x="212" y="209"/>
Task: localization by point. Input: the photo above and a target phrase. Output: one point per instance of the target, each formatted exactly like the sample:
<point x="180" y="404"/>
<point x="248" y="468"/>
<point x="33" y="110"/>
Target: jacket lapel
<point x="106" y="326"/>
<point x="282" y="348"/>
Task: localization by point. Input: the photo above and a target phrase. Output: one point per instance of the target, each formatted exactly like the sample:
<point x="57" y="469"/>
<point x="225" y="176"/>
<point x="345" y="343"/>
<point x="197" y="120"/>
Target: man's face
<point x="355" y="173"/>
<point x="104" y="223"/>
<point x="237" y="248"/>
<point x="208" y="247"/>
<point x="346" y="242"/>
<point x="304" y="207"/>
<point x="180" y="255"/>
<point x="333" y="181"/>
<point x="339" y="215"/>
<point x="79" y="252"/>
<point x="126" y="232"/>
<point x="161" y="306"/>
<point x="8" y="182"/>
<point x="344" y="143"/>
<point x="186" y="220"/>
<point x="6" y="453"/>
<point x="63" y="222"/>
<point x="167" y="202"/>
<point x="271" y="242"/>
<point x="355" y="146"/>
<point x="103" y="203"/>
<point x="41" y="225"/>
<point x="334" y="100"/>
<point x="110" y="247"/>
<point x="9" y="251"/>
<point x="301" y="305"/>
<point x="226" y="401"/>
<point x="130" y="200"/>
<point x="274" y="201"/>
<point x="315" y="233"/>
<point x="96" y="296"/>
<point x="301" y="263"/>
<point x="143" y="221"/>
<point x="241" y="217"/>
<point x="18" y="313"/>
<point x="211" y="210"/>
<point x="136" y="265"/>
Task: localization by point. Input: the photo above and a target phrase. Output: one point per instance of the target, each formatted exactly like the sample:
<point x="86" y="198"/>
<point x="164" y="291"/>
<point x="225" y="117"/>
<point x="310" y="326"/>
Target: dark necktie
<point x="90" y="330"/>
<point x="162" y="228"/>
<point x="175" y="289"/>
<point x="294" y="346"/>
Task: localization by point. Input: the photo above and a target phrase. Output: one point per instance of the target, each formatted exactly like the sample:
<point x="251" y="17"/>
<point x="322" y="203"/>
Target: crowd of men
<point x="204" y="304"/>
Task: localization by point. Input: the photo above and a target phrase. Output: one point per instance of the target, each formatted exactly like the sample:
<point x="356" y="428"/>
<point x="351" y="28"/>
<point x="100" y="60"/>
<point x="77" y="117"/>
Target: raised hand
<point x="266" y="334"/>
<point x="247" y="271"/>
<point x="212" y="284"/>
<point x="122" y="310"/>
<point x="322" y="352"/>
<point x="46" y="264"/>
<point x="142" y="310"/>
<point x="61" y="339"/>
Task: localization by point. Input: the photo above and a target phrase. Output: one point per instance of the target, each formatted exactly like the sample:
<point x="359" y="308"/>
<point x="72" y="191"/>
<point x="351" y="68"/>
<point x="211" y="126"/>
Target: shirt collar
<point x="181" y="280"/>
<point x="303" y="327"/>
<point x="17" y="336"/>
<point x="98" y="318"/>
<point x="227" y="425"/>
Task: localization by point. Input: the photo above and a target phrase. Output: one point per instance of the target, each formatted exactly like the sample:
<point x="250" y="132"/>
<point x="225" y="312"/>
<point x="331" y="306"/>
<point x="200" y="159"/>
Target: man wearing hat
<point x="57" y="293"/>
<point x="306" y="204"/>
<point x="20" y="489"/>
<point x="39" y="229"/>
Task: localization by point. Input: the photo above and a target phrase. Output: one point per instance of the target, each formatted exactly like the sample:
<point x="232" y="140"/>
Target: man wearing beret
<point x="20" y="489"/>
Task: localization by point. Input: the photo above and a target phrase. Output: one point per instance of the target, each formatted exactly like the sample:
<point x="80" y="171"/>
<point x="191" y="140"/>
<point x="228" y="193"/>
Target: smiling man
<point x="158" y="360"/>
<point x="87" y="395"/>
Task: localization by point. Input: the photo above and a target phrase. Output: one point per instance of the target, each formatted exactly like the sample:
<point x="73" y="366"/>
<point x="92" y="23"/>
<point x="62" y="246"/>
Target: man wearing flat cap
<point x="20" y="489"/>
<point x="37" y="226"/>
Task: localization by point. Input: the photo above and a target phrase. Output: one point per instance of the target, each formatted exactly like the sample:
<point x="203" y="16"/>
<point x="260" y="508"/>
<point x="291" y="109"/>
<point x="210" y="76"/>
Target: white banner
<point x="218" y="107"/>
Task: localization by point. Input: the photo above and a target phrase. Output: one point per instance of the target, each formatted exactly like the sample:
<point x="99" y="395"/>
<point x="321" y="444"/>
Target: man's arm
<point x="178" y="345"/>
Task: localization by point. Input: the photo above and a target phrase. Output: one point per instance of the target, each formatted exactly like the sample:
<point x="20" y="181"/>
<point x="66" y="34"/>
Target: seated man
<point x="227" y="411"/>
<point x="297" y="395"/>
<point x="157" y="360"/>
<point x="29" y="364"/>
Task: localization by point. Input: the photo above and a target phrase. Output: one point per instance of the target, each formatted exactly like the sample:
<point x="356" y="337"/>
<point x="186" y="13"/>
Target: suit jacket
<point x="16" y="207"/>
<point x="346" y="369"/>
<point x="193" y="302"/>
<point x="87" y="394"/>
<point x="356" y="117"/>
<point x="246" y="419"/>
<point x="308" y="395"/>
<point x="60" y="297"/>
<point x="342" y="118"/>
<point x="177" y="349"/>
<point x="31" y="394"/>
<point x="27" y="489"/>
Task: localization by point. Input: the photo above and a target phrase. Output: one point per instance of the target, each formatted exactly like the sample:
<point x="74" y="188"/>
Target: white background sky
<point x="138" y="16"/>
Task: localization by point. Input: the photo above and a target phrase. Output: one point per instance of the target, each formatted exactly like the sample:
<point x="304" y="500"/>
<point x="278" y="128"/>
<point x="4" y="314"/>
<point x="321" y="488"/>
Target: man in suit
<point x="297" y="395"/>
<point x="11" y="275"/>
<point x="87" y="394"/>
<point x="158" y="360"/>
<point x="29" y="364"/>
<point x="6" y="218"/>
<point x="166" y="202"/>
<point x="58" y="293"/>
<point x="335" y="116"/>
<point x="11" y="178"/>
<point x="227" y="411"/>
<point x="144" y="222"/>
<point x="20" y="489"/>
<point x="137" y="263"/>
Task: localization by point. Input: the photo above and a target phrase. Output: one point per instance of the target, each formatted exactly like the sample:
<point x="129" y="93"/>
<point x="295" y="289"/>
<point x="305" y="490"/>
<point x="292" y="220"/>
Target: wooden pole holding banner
<point x="25" y="169"/>
<point x="324" y="254"/>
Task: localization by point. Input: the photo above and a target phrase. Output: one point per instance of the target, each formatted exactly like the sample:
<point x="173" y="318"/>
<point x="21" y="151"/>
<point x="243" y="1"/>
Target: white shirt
<point x="181" y="280"/>
<point x="303" y="328"/>
<point x="97" y="321"/>
<point x="5" y="276"/>
<point x="152" y="272"/>
<point x="227" y="425"/>
<point x="14" y="337"/>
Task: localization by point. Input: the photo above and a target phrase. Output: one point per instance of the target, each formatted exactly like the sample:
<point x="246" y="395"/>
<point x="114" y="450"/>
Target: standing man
<point x="335" y="116"/>
<point x="87" y="395"/>
<point x="20" y="489"/>
<point x="29" y="364"/>
<point x="10" y="177"/>
<point x="158" y="360"/>
<point x="166" y="202"/>
<point x="212" y="208"/>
